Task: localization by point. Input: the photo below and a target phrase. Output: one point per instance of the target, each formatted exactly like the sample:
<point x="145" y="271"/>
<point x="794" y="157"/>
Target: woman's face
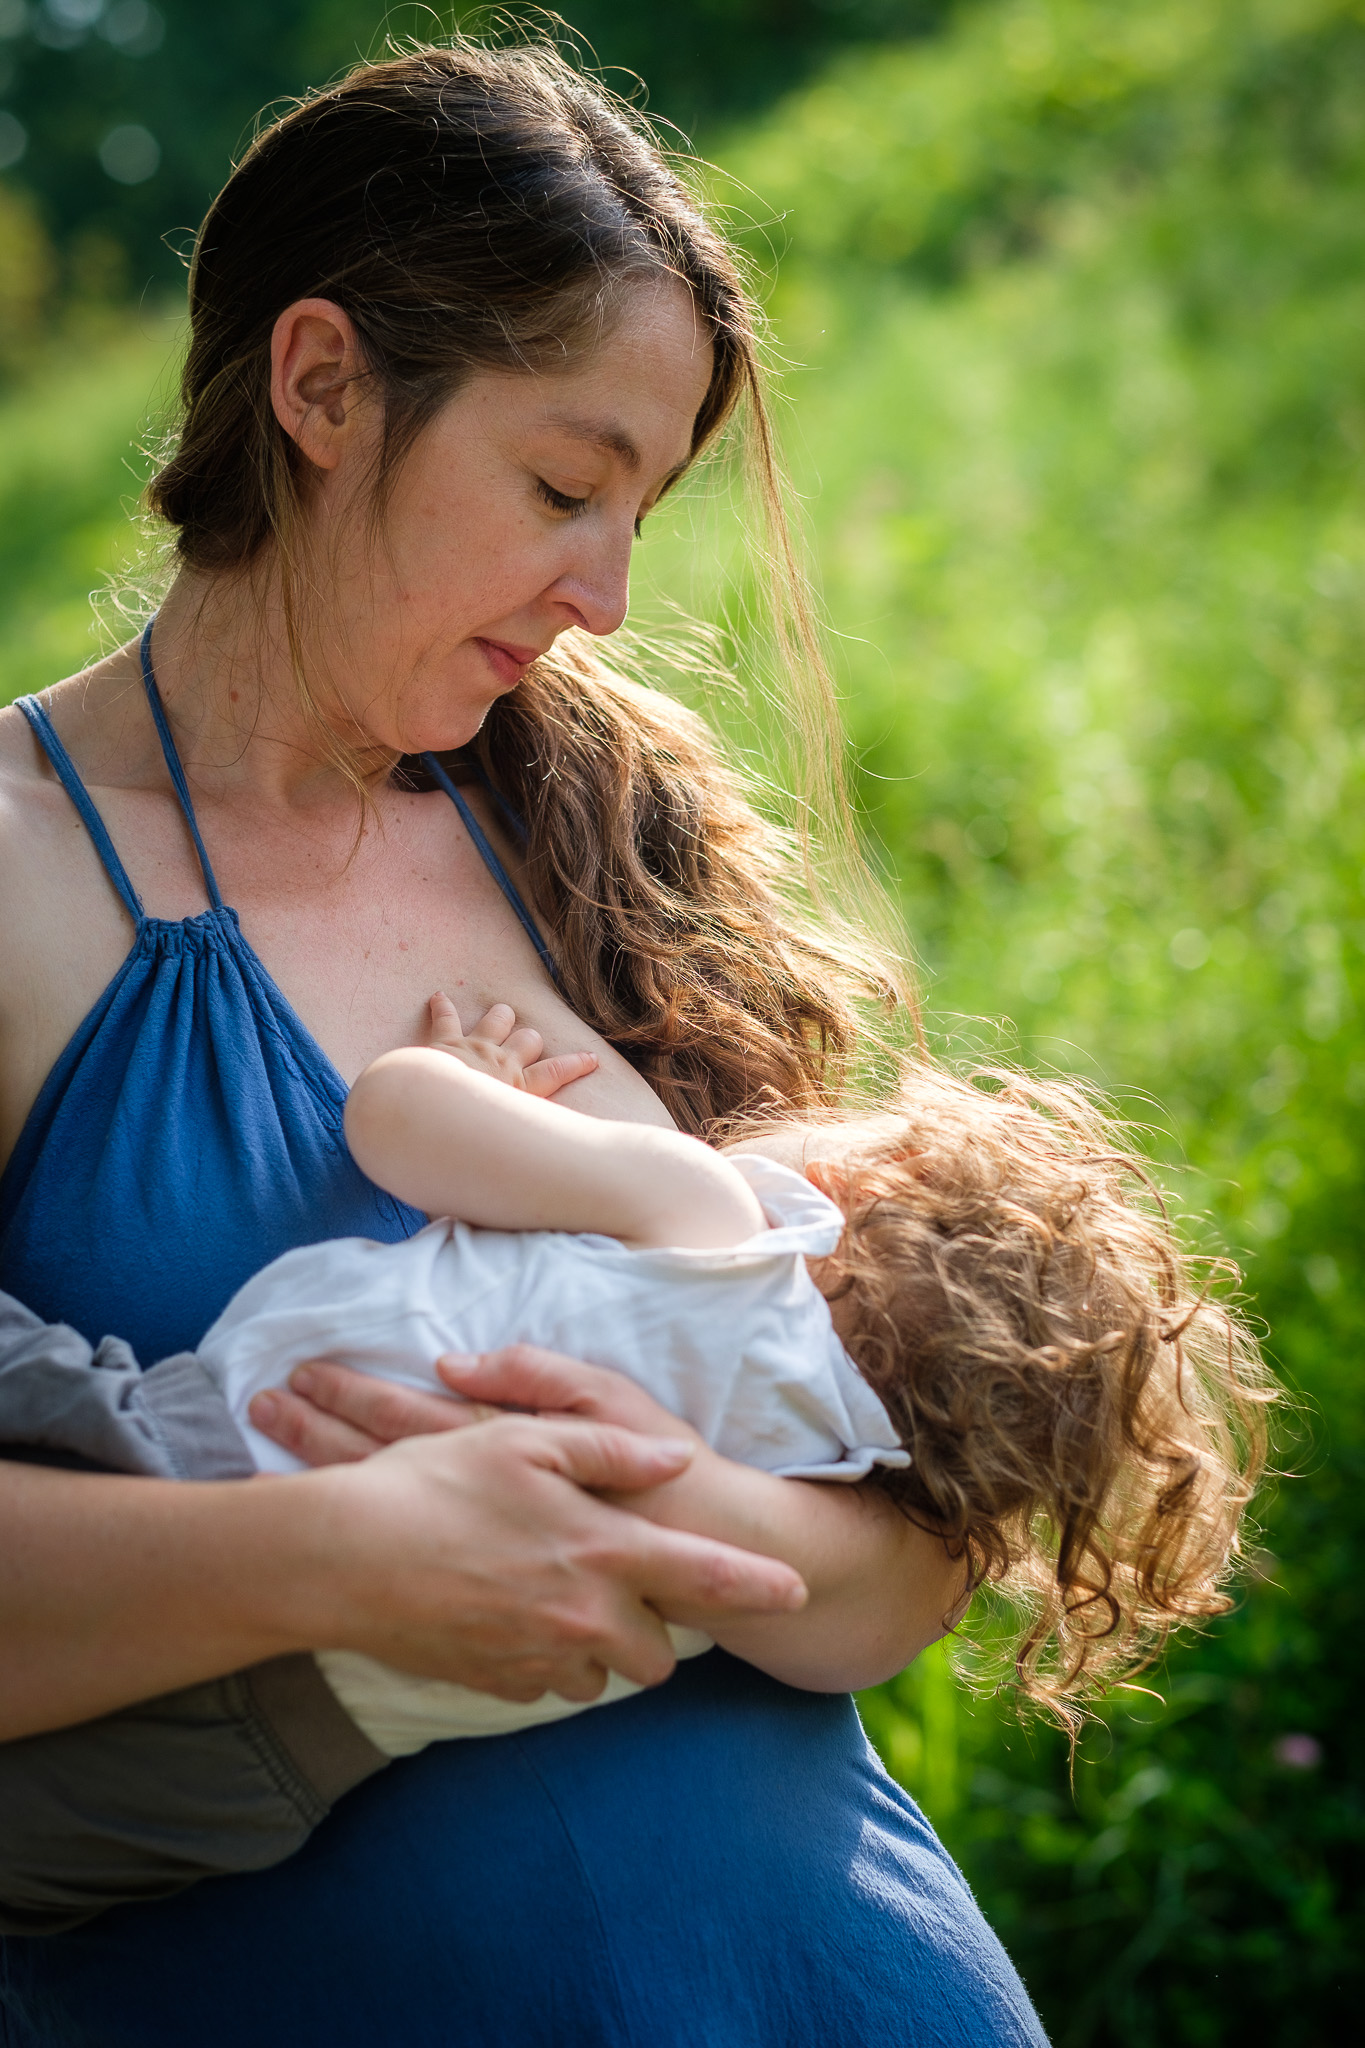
<point x="511" y="519"/>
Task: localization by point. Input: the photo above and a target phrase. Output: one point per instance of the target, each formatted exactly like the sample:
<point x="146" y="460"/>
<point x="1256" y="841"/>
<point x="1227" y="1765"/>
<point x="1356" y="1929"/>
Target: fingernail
<point x="457" y="1361"/>
<point x="302" y="1380"/>
<point x="796" y="1597"/>
<point x="265" y="1408"/>
<point x="675" y="1446"/>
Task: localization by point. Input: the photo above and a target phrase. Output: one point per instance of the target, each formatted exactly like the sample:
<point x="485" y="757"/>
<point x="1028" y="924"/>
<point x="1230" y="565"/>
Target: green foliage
<point x="70" y="474"/>
<point x="25" y="279"/>
<point x="1078" y="298"/>
<point x="952" y="155"/>
<point x="195" y="76"/>
<point x="1073" y="302"/>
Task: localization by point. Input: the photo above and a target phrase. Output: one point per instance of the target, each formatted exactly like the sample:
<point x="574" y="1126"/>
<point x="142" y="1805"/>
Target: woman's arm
<point x="476" y="1556"/>
<point x="119" y="1588"/>
<point x="880" y="1589"/>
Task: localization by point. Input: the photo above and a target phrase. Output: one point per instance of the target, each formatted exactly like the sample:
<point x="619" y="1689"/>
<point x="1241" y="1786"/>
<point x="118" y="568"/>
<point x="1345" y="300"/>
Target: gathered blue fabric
<point x="720" y="1863"/>
<point x="191" y="1130"/>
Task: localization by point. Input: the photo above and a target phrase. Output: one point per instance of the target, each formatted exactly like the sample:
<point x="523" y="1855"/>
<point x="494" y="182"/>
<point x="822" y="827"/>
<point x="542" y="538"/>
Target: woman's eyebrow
<point x="613" y="440"/>
<point x="598" y="434"/>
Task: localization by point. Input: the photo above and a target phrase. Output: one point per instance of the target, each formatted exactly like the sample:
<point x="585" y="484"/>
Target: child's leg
<point x="228" y="1776"/>
<point x="88" y="1405"/>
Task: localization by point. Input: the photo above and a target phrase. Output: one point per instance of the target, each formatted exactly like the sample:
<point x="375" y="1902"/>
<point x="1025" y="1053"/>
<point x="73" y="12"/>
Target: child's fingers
<point x="495" y="1024"/>
<point x="524" y="1045"/>
<point x="445" y="1020"/>
<point x="547" y="1077"/>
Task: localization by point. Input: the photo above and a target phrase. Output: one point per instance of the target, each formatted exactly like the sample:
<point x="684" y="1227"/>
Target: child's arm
<point x="457" y="1130"/>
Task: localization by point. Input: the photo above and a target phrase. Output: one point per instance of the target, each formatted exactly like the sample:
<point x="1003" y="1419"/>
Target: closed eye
<point x="560" y="501"/>
<point x="572" y="508"/>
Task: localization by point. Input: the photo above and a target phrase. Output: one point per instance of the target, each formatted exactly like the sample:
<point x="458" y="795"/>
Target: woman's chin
<point x="444" y="732"/>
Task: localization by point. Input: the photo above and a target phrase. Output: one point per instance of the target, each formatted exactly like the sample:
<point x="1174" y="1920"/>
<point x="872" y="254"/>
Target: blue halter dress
<point x="721" y="1861"/>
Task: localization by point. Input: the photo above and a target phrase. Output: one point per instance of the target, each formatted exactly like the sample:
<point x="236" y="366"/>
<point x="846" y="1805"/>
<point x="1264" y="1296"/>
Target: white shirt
<point x="738" y="1341"/>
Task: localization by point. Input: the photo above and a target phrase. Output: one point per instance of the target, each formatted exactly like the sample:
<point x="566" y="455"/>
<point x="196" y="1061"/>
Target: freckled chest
<point x="357" y="935"/>
<point x="358" y="940"/>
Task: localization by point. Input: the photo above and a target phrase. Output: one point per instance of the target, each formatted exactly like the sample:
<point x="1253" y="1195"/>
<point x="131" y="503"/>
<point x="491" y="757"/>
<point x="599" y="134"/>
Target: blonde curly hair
<point x="1086" y="1419"/>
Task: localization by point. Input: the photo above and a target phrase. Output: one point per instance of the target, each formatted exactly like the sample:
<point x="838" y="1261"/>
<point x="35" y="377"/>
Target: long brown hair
<point x="476" y="208"/>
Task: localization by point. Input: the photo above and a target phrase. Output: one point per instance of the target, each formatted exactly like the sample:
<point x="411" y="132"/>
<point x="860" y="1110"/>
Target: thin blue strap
<point x="65" y="770"/>
<point x="182" y="788"/>
<point x="512" y="819"/>
<point x="492" y="863"/>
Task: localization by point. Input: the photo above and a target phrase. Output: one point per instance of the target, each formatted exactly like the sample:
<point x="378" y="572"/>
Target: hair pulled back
<point x="477" y="208"/>
<point x="471" y="209"/>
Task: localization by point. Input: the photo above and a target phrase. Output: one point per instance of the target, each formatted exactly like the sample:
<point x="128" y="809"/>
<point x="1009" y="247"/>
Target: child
<point x="964" y="1295"/>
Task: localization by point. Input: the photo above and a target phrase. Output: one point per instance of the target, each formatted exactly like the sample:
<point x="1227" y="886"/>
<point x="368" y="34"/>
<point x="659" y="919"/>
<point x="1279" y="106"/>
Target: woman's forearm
<point x="115" y="1589"/>
<point x="881" y="1590"/>
<point x="487" y="1556"/>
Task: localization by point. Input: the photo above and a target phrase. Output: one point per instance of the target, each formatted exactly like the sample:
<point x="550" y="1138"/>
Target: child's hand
<point x="496" y="1046"/>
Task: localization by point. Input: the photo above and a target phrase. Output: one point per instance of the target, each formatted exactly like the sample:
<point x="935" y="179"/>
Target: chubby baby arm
<point x="465" y="1128"/>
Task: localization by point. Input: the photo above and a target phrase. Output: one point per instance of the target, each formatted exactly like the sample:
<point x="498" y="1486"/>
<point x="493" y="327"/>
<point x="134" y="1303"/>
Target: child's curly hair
<point x="1085" y="1420"/>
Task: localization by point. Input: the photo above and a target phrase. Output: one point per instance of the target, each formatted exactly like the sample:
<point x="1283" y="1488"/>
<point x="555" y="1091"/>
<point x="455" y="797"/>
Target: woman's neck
<point x="231" y="690"/>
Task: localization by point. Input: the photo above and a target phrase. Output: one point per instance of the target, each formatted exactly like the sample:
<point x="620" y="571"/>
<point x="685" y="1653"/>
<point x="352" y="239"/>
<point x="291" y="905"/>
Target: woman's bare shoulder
<point x="39" y="826"/>
<point x="32" y="801"/>
<point x="79" y="707"/>
<point x="26" y="781"/>
<point x="62" y="930"/>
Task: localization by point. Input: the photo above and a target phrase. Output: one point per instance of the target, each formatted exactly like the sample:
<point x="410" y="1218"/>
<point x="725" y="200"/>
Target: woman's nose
<point x="597" y="585"/>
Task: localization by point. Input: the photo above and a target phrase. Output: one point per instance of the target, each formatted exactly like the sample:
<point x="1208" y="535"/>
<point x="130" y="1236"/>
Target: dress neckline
<point x="217" y="928"/>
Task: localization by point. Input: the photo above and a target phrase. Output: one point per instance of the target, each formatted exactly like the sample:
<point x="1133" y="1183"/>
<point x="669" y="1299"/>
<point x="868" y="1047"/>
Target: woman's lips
<point x="508" y="663"/>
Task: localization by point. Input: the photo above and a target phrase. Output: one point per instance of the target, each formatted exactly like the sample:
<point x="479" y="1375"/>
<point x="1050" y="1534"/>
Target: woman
<point x="456" y="329"/>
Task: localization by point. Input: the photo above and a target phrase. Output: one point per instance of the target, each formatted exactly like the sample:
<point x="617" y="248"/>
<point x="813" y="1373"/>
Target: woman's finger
<point x="635" y="1643"/>
<point x="698" y="1581"/>
<point x="547" y="1077"/>
<point x="601" y="1457"/>
<point x="585" y="1681"/>
<point x="297" y="1426"/>
<point x="375" y="1407"/>
<point x="694" y="1577"/>
<point x="526" y="1376"/>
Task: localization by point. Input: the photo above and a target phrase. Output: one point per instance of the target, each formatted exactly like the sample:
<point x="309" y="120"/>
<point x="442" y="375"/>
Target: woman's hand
<point x="556" y="1587"/>
<point x="881" y="1590"/>
<point x="332" y="1415"/>
<point x="489" y="1557"/>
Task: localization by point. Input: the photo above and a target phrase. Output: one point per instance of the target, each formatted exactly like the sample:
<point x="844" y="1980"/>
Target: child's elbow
<point x="380" y="1111"/>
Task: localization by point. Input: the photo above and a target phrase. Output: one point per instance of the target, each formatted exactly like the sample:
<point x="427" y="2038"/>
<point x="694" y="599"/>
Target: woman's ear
<point x="315" y="365"/>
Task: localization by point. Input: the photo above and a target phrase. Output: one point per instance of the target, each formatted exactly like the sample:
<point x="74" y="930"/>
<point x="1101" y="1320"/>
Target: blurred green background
<point x="1072" y="302"/>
